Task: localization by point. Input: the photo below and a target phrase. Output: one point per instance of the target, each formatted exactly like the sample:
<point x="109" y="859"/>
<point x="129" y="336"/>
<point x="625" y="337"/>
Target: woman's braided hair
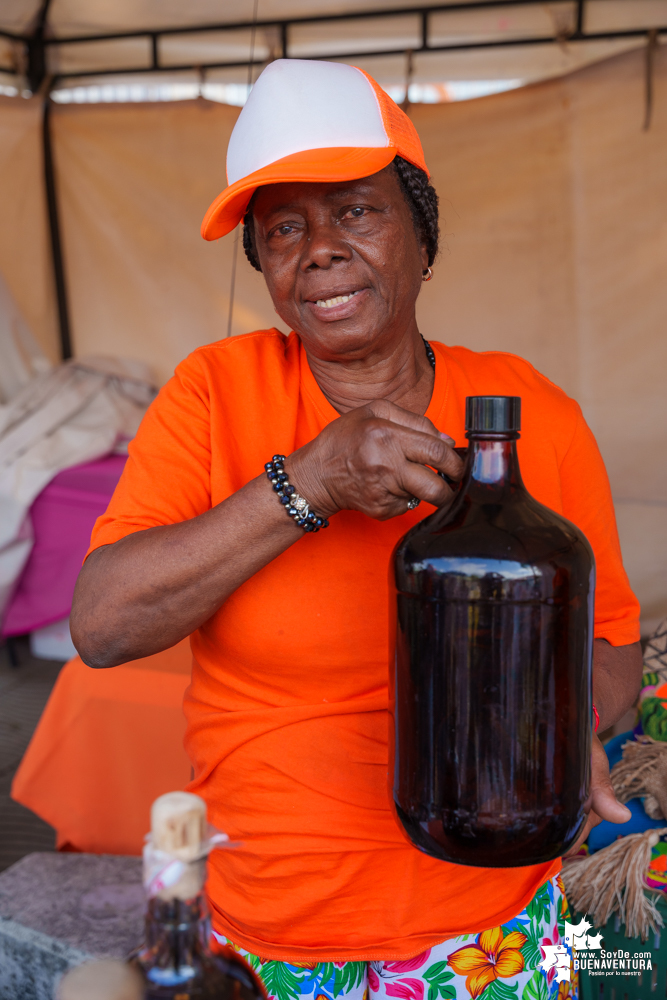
<point x="419" y="194"/>
<point x="422" y="200"/>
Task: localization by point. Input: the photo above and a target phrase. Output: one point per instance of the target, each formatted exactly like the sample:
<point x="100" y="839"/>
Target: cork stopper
<point x="104" y="980"/>
<point x="178" y="825"/>
<point x="175" y="853"/>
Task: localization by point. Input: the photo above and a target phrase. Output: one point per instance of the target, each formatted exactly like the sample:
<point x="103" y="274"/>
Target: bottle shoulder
<point x="208" y="977"/>
<point x="517" y="524"/>
<point x="516" y="549"/>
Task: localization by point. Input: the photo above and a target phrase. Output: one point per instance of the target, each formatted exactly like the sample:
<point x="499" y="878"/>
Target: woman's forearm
<point x="153" y="588"/>
<point x="617" y="674"/>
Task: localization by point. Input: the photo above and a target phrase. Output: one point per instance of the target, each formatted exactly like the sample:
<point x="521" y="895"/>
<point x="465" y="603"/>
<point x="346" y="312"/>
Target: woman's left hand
<point x="602" y="802"/>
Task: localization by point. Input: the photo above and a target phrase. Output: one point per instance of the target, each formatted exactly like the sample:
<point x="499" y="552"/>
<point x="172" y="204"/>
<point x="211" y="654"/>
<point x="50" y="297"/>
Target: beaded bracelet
<point x="297" y="508"/>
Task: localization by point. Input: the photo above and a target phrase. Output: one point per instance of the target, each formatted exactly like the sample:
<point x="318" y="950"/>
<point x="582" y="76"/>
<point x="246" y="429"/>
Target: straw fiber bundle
<point x="643" y="772"/>
<point x="612" y="881"/>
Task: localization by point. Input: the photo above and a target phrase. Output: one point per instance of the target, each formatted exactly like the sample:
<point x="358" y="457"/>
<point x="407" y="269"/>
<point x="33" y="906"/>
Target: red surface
<point x="63" y="516"/>
<point x="107" y="744"/>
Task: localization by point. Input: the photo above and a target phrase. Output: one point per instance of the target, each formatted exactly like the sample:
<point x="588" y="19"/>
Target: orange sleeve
<point x="587" y="501"/>
<point x="167" y="476"/>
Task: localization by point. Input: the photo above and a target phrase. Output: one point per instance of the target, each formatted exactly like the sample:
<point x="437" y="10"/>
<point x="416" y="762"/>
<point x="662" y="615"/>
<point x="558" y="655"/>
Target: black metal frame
<point x="37" y="79"/>
<point x="284" y="25"/>
<point x="54" y="232"/>
<point x="37" y="42"/>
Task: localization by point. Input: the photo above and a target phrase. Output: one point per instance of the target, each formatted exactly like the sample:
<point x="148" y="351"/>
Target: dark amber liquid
<point x="491" y="683"/>
<point x="176" y="963"/>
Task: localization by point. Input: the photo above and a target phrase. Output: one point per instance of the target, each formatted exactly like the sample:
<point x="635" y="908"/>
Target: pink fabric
<point x="62" y="516"/>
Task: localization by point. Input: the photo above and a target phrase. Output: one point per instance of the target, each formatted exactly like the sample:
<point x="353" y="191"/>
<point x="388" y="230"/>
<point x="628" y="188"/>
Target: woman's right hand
<point x="151" y="588"/>
<point x="374" y="459"/>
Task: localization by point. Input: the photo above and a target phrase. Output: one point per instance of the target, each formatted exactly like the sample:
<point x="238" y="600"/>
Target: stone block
<point x="58" y="910"/>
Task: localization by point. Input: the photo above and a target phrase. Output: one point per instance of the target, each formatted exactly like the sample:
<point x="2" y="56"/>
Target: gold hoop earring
<point x="427" y="274"/>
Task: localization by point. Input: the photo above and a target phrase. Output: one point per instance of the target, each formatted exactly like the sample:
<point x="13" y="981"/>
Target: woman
<point x="287" y="710"/>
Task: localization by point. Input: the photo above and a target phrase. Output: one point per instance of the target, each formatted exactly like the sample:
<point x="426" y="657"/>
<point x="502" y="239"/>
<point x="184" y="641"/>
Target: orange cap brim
<point x="312" y="166"/>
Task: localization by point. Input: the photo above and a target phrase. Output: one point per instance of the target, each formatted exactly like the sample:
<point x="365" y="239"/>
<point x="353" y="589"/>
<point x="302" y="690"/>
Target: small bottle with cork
<point x="175" y="961"/>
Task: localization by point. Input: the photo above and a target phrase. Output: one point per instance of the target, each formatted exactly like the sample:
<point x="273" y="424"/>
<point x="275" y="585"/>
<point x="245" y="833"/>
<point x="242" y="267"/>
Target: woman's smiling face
<point x="342" y="261"/>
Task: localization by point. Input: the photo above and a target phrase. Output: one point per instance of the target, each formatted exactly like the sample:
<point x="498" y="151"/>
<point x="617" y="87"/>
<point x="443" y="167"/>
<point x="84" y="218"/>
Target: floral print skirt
<point x="502" y="963"/>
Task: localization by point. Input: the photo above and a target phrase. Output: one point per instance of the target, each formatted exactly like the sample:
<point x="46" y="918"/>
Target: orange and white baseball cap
<point x="310" y="121"/>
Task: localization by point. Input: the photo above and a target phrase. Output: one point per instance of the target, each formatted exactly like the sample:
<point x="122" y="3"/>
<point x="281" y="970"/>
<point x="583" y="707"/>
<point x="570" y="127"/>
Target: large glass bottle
<point x="175" y="960"/>
<point x="490" y="688"/>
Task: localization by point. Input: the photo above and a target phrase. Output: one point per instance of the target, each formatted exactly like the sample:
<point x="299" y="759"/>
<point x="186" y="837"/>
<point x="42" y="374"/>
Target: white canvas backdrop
<point x="24" y="242"/>
<point x="554" y="218"/>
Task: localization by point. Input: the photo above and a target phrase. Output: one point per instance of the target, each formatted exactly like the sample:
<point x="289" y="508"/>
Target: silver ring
<point x="413" y="503"/>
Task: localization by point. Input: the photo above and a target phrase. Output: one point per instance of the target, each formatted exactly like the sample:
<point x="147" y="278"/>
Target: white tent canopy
<point x="87" y="41"/>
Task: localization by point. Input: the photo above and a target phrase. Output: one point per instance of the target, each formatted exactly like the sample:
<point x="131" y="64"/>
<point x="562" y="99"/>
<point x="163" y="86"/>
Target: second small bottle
<point x="175" y="960"/>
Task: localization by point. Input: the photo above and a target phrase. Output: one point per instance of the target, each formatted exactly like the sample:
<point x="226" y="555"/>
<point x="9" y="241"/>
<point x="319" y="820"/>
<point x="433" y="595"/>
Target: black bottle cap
<point x="493" y="414"/>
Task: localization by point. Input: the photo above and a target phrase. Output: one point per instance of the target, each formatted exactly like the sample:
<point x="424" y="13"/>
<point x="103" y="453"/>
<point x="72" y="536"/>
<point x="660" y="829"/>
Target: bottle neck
<point x="493" y="464"/>
<point x="176" y="929"/>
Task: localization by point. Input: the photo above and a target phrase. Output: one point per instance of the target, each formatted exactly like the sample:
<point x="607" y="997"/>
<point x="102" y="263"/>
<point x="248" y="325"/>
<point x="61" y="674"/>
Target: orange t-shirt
<point x="287" y="710"/>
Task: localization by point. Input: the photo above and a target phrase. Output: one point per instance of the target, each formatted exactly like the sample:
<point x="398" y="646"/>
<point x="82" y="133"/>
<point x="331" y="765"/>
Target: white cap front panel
<point x="299" y="104"/>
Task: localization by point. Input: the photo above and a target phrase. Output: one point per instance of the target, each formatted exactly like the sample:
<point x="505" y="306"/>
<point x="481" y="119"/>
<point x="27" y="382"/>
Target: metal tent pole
<point x="39" y="81"/>
<point x="54" y="232"/>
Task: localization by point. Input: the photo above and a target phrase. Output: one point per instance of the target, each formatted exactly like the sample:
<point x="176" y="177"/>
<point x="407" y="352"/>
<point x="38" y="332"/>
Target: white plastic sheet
<point x="67" y="416"/>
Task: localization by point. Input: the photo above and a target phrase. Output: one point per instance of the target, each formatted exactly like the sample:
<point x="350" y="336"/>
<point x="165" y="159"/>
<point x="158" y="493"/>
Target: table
<point x="62" y="517"/>
<point x="107" y="744"/>
<point x="59" y="910"/>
